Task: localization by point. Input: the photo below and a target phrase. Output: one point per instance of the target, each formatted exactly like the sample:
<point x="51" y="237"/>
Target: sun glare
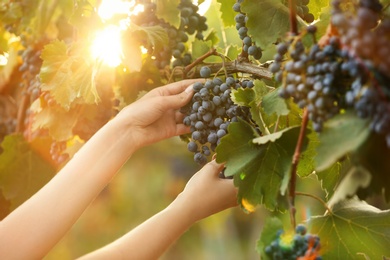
<point x="107" y="46"/>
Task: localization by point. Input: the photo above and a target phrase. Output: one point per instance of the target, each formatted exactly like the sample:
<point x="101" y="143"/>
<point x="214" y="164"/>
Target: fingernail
<point x="189" y="89"/>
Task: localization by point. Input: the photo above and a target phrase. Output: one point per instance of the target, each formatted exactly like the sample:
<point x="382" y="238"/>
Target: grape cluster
<point x="249" y="47"/>
<point x="30" y="68"/>
<point x="210" y="112"/>
<point x="191" y="23"/>
<point x="365" y="32"/>
<point x="57" y="152"/>
<point x="312" y="78"/>
<point x="303" y="11"/>
<point x="301" y="245"/>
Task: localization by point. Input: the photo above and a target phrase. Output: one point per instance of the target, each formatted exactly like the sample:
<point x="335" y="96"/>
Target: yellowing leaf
<point x="68" y="75"/>
<point x="248" y="206"/>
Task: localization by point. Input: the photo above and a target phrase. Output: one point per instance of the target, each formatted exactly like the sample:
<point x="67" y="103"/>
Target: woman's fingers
<point x="173" y="88"/>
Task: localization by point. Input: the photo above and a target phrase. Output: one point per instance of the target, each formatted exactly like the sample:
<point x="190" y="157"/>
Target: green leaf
<point x="342" y="134"/>
<point x="22" y="171"/>
<point x="269" y="233"/>
<point x="227" y="11"/>
<point x="272" y="103"/>
<point x="258" y="169"/>
<point x="68" y="76"/>
<point x="155" y="35"/>
<point x="352" y="230"/>
<point x="357" y="177"/>
<point x="243" y="97"/>
<point x="316" y="7"/>
<point x="268" y="20"/>
<point x="168" y="11"/>
<point x="330" y="177"/>
<point x="374" y="155"/>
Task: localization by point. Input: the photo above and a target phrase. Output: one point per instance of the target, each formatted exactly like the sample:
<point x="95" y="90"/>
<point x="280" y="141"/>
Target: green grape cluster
<point x="301" y="245"/>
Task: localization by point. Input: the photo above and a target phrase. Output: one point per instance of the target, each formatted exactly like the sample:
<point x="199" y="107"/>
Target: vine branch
<point x="231" y="67"/>
<point x="316" y="198"/>
<point x="294" y="166"/>
<point x="211" y="52"/>
<point x="293" y="17"/>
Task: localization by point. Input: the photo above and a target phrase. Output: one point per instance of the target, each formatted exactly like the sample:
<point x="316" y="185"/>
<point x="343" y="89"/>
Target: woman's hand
<point x="206" y="193"/>
<point x="156" y="115"/>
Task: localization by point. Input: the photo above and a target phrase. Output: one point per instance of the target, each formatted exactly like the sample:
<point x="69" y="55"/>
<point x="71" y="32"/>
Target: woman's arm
<point x="32" y="229"/>
<point x="204" y="195"/>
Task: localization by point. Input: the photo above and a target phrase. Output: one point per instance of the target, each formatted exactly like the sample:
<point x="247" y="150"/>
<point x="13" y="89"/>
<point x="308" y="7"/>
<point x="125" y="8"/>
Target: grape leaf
<point x="243" y="97"/>
<point x="258" y="170"/>
<point x="329" y="178"/>
<point x="268" y="20"/>
<point x="227" y="12"/>
<point x="22" y="171"/>
<point x="272" y="103"/>
<point x="342" y="134"/>
<point x="353" y="229"/>
<point x="56" y="119"/>
<point x="374" y="156"/>
<point x="168" y="11"/>
<point x="67" y="74"/>
<point x="355" y="178"/>
<point x="269" y="233"/>
<point x="316" y="7"/>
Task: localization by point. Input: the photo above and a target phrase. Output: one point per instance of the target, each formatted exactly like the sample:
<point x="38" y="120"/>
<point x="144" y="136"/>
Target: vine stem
<point x="211" y="52"/>
<point x="294" y="166"/>
<point x="315" y="197"/>
<point x="22" y="113"/>
<point x="233" y="67"/>
<point x="293" y="17"/>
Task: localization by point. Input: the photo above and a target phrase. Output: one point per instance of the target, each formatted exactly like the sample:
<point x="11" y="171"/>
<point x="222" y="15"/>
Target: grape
<point x="300" y="245"/>
<point x="191" y="23"/>
<point x="247" y="41"/>
<point x="205" y="72"/>
<point x="210" y="116"/>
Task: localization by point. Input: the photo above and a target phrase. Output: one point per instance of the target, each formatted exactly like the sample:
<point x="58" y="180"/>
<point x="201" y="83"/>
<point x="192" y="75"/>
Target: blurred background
<point x="147" y="183"/>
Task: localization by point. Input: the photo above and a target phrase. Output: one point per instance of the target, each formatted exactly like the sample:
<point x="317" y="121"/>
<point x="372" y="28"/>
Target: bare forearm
<point x="150" y="239"/>
<point x="37" y="225"/>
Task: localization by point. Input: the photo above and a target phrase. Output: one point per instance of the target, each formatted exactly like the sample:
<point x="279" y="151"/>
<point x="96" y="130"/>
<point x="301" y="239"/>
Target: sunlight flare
<point x="107" y="46"/>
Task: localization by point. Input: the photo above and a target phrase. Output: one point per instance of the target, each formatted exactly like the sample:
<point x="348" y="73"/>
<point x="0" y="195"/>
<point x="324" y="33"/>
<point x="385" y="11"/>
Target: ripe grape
<point x="205" y="72"/>
<point x="249" y="45"/>
<point x="301" y="244"/>
<point x="210" y="112"/>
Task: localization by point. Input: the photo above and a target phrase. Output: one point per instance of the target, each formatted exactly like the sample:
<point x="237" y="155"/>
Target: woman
<point x="31" y="230"/>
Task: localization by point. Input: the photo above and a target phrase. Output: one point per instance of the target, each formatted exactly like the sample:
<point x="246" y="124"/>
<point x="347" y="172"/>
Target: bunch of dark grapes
<point x="31" y="65"/>
<point x="301" y="246"/>
<point x="248" y="46"/>
<point x="302" y="10"/>
<point x="210" y="112"/>
<point x="365" y="34"/>
<point x="313" y="78"/>
<point x="57" y="152"/>
<point x="191" y="23"/>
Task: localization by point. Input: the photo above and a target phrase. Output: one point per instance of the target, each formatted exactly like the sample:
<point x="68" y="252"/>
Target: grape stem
<point x="294" y="166"/>
<point x="315" y="197"/>
<point x="293" y="17"/>
<point x="199" y="60"/>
